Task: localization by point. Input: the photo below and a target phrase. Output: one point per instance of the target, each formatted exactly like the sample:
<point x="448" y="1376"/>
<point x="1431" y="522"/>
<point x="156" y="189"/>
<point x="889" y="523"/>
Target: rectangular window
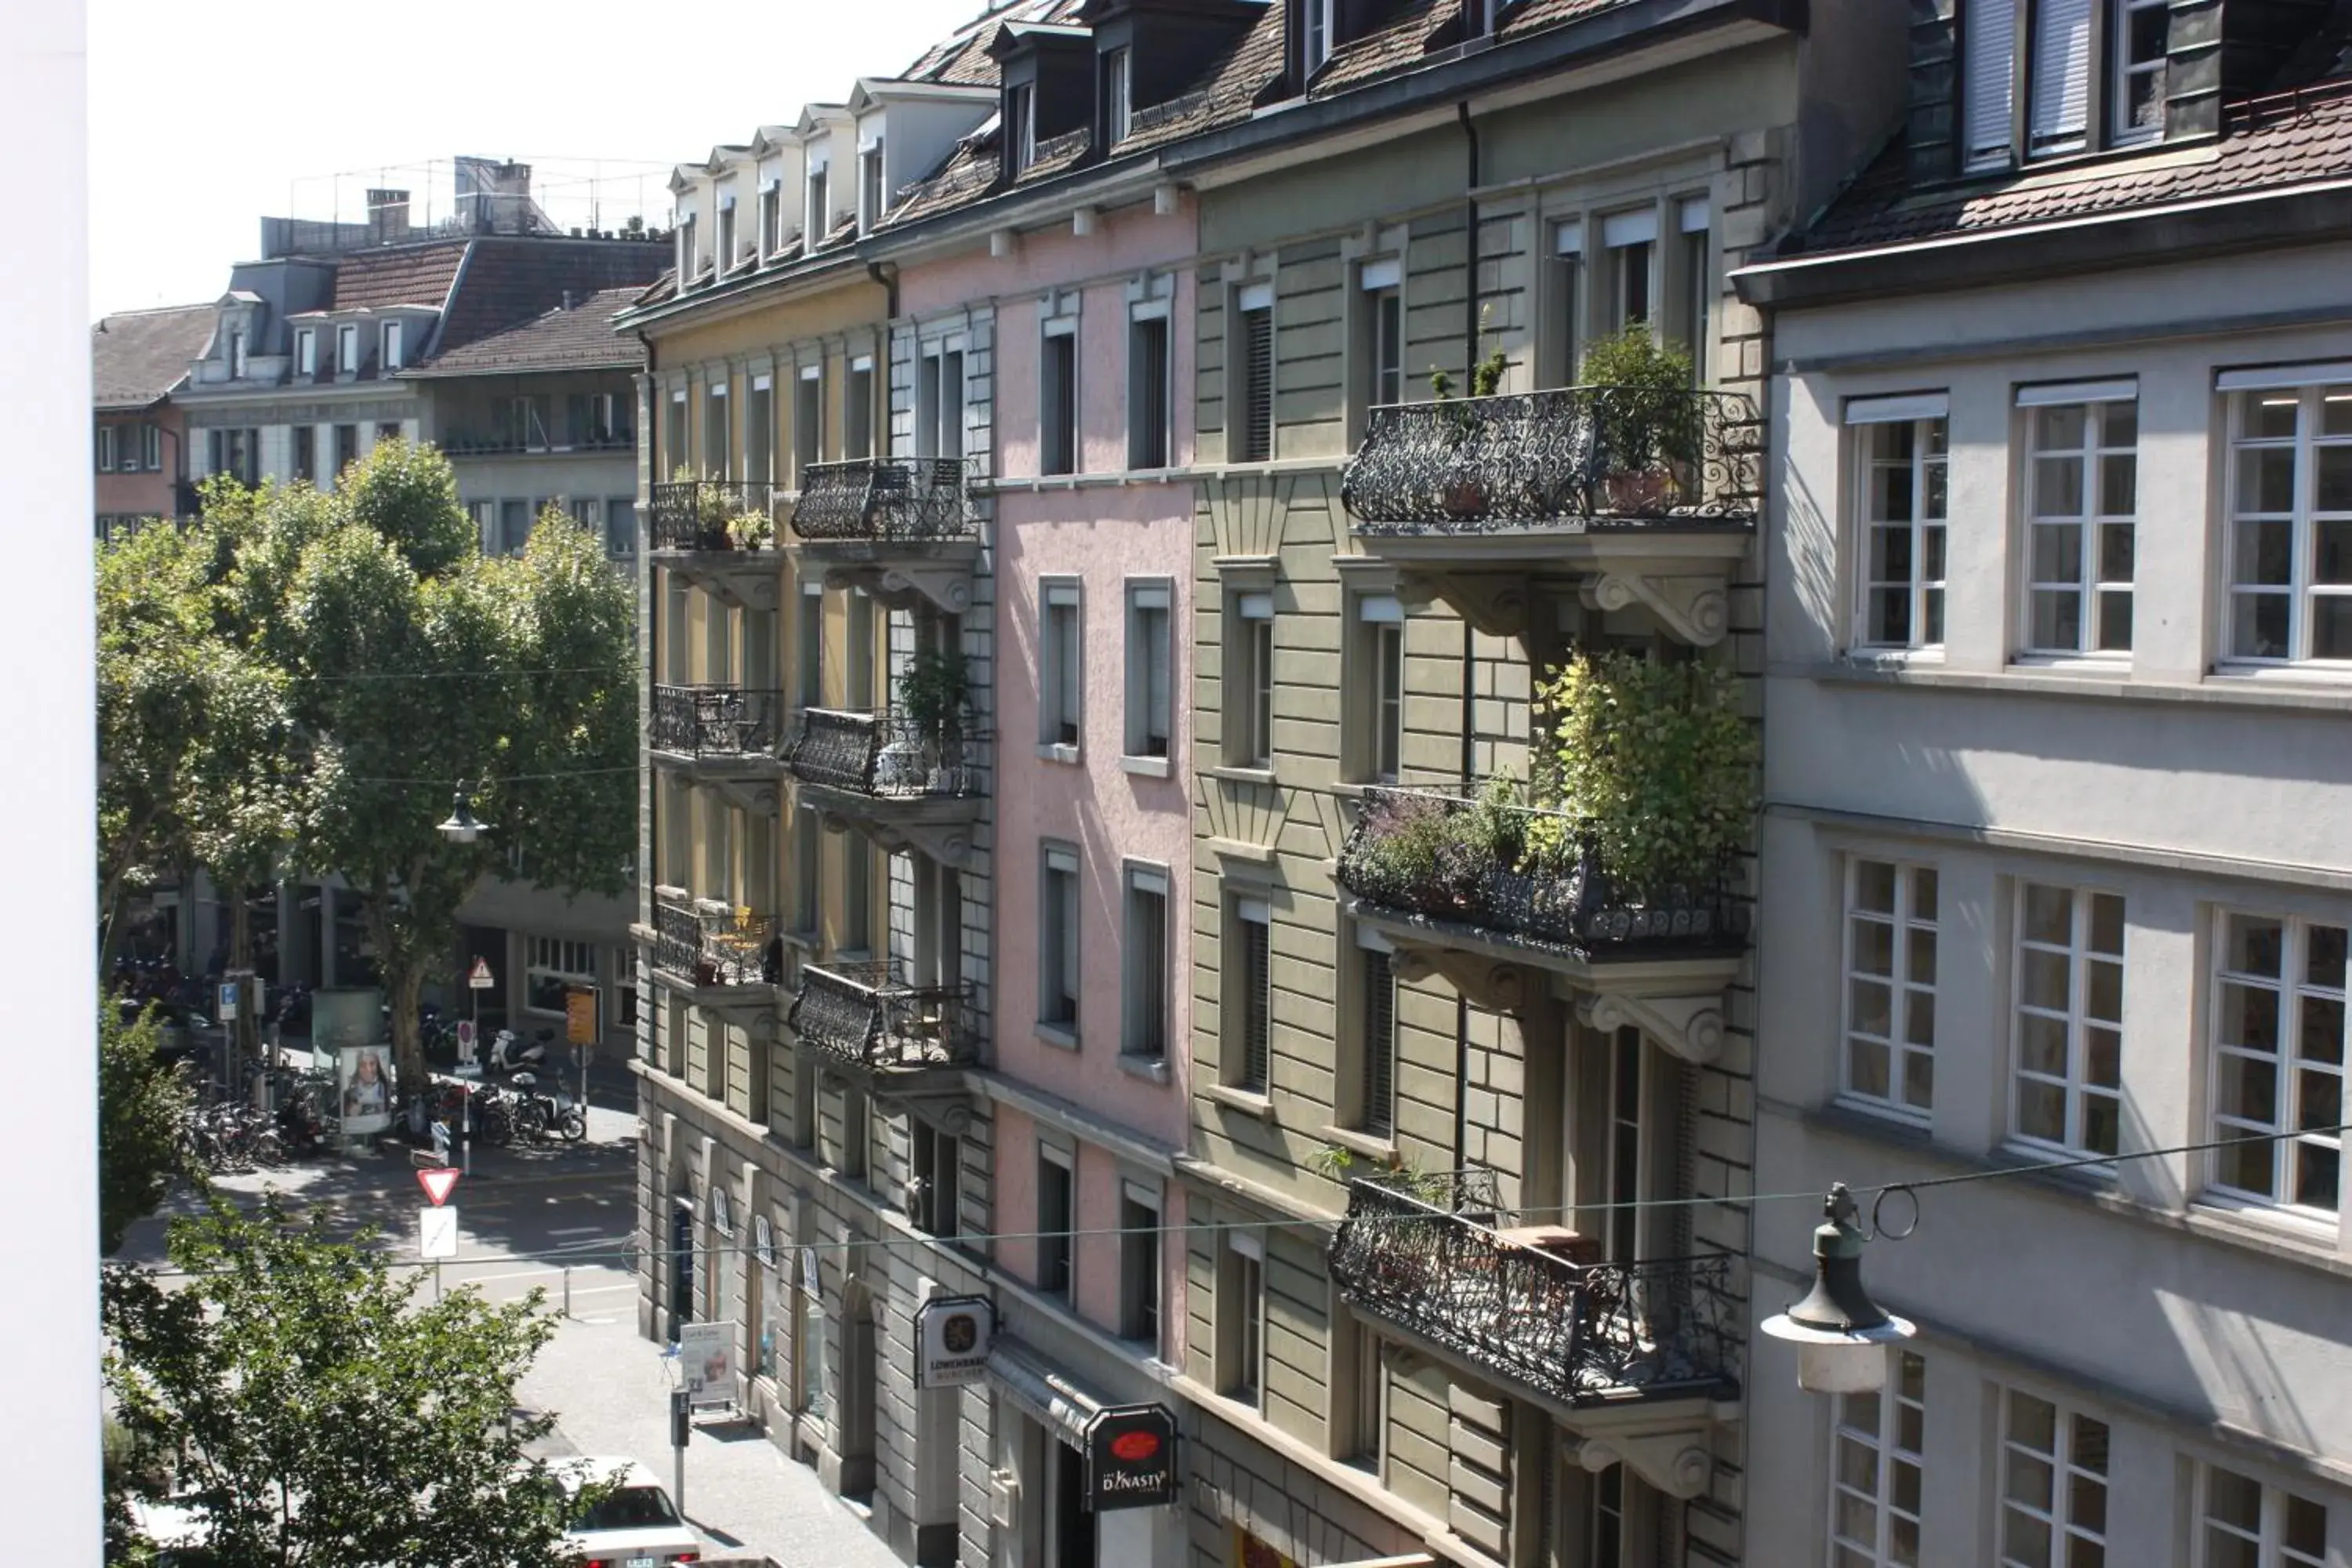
<point x="858" y="410"/>
<point x="1138" y="1266"/>
<point x="306" y="453"/>
<point x="514" y="526"/>
<point x="621" y="527"/>
<point x="935" y="1168"/>
<point x="1366" y="1439"/>
<point x="858" y="896"/>
<point x="2082" y="495"/>
<point x="1147" y="377"/>
<point x="1150" y="656"/>
<point x="2278" y="1060"/>
<point x="1249" y="686"/>
<point x="1383" y="339"/>
<point x="1316" y="34"/>
<point x="552" y="966"/>
<point x="1379" y="683"/>
<point x="1890" y="986"/>
<point x="759" y="430"/>
<point x="1057" y="939"/>
<point x="1249" y="1010"/>
<point x="817" y="217"/>
<point x="811" y="653"/>
<point x="1696" y="267"/>
<point x="939" y="403"/>
<point x="1244" y="1308"/>
<point x="1054" y="1224"/>
<point x="1251" y="416"/>
<point x="347" y="447"/>
<point x="2243" y="1523"/>
<point x="2068" y="1035"/>
<point x="151" y="447"/>
<point x="2058" y="90"/>
<point x="1988" y="37"/>
<point x="2290" y="546"/>
<point x="1145" y="949"/>
<point x="1376" y="1032"/>
<point x="724" y="256"/>
<point x="808" y="420"/>
<point x="772" y="218"/>
<point x="808" y="864"/>
<point x="236" y="355"/>
<point x="688" y="258"/>
<point x="347" y="350"/>
<point x="108" y="441"/>
<point x="1876" y="1469"/>
<point x="1021" y="122"/>
<point x="1119" y="96"/>
<point x="1057" y="399"/>
<point x="1061" y="663"/>
<point x="306" y="352"/>
<point x="2054" y="1486"/>
<point x="2141" y="38"/>
<point x="717" y="433"/>
<point x="858" y="691"/>
<point x="873" y="194"/>
<point x="392" y="358"/>
<point x="1629" y="243"/>
<point x="1902" y="488"/>
<point x="1565" y="308"/>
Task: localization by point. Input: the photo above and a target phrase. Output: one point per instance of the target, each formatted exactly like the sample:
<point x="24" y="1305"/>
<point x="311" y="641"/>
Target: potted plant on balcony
<point x="1464" y="492"/>
<point x="1653" y="766"/>
<point x="752" y="529"/>
<point x="1646" y="419"/>
<point x="932" y="696"/>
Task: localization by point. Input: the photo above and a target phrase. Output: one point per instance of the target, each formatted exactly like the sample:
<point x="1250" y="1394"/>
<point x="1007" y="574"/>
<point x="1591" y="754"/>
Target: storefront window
<point x="808" y="1333"/>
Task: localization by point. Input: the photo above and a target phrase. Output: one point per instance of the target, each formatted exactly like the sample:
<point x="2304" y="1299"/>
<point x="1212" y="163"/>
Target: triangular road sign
<point x="478" y="977"/>
<point x="438" y="1182"/>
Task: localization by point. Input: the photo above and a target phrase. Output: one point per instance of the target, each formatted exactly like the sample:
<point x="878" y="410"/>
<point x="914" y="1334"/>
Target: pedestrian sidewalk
<point x="609" y="1391"/>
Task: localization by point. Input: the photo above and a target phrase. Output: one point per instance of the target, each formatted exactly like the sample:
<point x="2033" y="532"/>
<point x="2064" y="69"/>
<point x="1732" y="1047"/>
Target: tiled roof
<point x="512" y="279"/>
<point x="1228" y="91"/>
<point x="397" y="274"/>
<point x="581" y="338"/>
<point x="139" y="357"/>
<point x="2270" y="144"/>
<point x="1396" y="47"/>
<point x="1535" y="16"/>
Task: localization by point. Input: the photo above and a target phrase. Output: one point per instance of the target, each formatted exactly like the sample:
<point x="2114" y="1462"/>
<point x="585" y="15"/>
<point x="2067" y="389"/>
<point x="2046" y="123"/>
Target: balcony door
<point x="938" y="924"/>
<point x="1623" y="1119"/>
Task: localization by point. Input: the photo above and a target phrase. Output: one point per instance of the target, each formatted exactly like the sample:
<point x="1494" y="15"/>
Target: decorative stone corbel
<point x="749" y="588"/>
<point x="1490" y="983"/>
<point x="1690" y="1026"/>
<point x="760" y="797"/>
<point x="1696" y="609"/>
<point x="1496" y="605"/>
<point x="1674" y="1462"/>
<point x="947" y="587"/>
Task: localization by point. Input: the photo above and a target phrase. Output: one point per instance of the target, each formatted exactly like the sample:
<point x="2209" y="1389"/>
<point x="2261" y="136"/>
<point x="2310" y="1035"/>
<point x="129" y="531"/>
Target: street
<point x="558" y="1220"/>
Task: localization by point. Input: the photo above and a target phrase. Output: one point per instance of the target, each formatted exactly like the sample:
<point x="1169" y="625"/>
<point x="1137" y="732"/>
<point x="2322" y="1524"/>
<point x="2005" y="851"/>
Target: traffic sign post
<point x="437" y="1182"/>
<point x="479" y="978"/>
<point x="681" y="1424"/>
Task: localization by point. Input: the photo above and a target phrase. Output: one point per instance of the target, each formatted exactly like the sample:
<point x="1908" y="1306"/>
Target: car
<point x="633" y="1525"/>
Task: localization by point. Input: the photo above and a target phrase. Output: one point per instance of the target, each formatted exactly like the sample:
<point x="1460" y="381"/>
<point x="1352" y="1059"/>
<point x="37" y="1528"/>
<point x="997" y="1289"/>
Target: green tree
<point x="142" y="1107"/>
<point x="315" y="1414"/>
<point x="241" y="792"/>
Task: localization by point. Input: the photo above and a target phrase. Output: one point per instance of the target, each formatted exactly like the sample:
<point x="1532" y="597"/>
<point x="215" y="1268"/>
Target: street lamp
<point x="462" y="827"/>
<point x="1841" y="1334"/>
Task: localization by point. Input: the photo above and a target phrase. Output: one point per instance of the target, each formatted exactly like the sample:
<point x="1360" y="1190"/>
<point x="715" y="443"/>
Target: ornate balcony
<point x="720" y="534"/>
<point x="1608" y="1346"/>
<point x="900" y="528"/>
<point x="727" y="736"/>
<point x="1498" y="920"/>
<point x="905" y="783"/>
<point x="1647" y="497"/>
<point x="725" y="959"/>
<point x="864" y="1019"/>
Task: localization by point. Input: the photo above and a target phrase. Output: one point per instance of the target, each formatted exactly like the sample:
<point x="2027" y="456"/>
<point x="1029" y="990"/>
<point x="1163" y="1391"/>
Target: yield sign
<point x="437" y="1182"/>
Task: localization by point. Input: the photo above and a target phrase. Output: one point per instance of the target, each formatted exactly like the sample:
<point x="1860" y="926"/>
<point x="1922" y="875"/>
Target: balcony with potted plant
<point x="1637" y="486"/>
<point x="909" y="776"/>
<point x="901" y="1040"/>
<point x="903" y="528"/>
<point x="719" y="534"/>
<point x="721" y="956"/>
<point x="1607" y="880"/>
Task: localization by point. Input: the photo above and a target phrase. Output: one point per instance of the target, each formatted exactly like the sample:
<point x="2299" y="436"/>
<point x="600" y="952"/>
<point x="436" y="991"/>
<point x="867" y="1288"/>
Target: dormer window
<point x="820" y="208"/>
<point x="2070" y="103"/>
<point x="347" y="350"/>
<point x="686" y="252"/>
<point x="772" y="217"/>
<point x="725" y="256"/>
<point x="1020" y="125"/>
<point x="871" y="192"/>
<point x="237" y="353"/>
<point x="1318" y="31"/>
<point x="393" y="358"/>
<point x="306" y="352"/>
<point x="1119" y="96"/>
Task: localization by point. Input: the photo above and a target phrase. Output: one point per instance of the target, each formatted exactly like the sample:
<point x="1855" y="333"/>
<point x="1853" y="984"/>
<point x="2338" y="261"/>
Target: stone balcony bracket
<point x="897" y="827"/>
<point x="942" y="578"/>
<point x="1689" y="1026"/>
<point x="1677" y="1460"/>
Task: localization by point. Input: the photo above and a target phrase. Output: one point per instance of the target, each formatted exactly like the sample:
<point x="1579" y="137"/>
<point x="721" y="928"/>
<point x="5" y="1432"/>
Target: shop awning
<point x="1051" y="1396"/>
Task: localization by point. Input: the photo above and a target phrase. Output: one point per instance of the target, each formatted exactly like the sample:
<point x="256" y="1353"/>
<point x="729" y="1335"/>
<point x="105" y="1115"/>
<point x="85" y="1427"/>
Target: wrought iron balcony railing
<point x="1588" y="454"/>
<point x="713" y="515"/>
<point x="886" y="756"/>
<point x="883" y="500"/>
<point x="1424" y="853"/>
<point x="1581" y="1334"/>
<point x="717" y="721"/>
<point x="710" y="948"/>
<point x="867" y="1016"/>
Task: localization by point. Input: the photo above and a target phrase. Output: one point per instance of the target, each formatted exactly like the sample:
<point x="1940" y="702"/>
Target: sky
<point x="204" y="115"/>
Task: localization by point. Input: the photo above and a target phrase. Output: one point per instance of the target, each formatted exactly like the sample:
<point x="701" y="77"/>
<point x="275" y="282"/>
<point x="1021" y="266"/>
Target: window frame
<point x="2121" y="69"/>
<point x="1061" y="940"/>
<point x="1150" y="399"/>
<point x="1258" y="442"/>
<point x="808" y="420"/>
<point x="1888" y="1456"/>
<point x="1061" y="668"/>
<point x="1380" y="296"/>
<point x="2067" y="1476"/>
<point x="2270" y="1547"/>
<point x="1319" y="30"/>
<point x="1057" y="1259"/>
<point x="1924" y="536"/>
<point x="393" y="344"/>
<point x="2293" y="989"/>
<point x="1060" y="441"/>
<point x="1251" y="650"/>
<point x="1244" y="1298"/>
<point x="109" y="449"/>
<point x="1372" y="1094"/>
<point x="306" y="352"/>
<point x="2072" y="1081"/>
<point x="2304" y="518"/>
<point x="347" y="349"/>
<point x="1145" y="993"/>
<point x="1142" y="1264"/>
<point x="1021" y="121"/>
<point x="1899" y="985"/>
<point x="1248" y="1066"/>
<point x="858" y="429"/>
<point x="1150" y="651"/>
<point x="1377" y="625"/>
<point x="1119" y="95"/>
<point x="2092" y="522"/>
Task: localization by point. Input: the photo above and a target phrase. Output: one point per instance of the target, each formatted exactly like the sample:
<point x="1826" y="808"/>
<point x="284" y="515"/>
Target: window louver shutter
<point x="1683" y="1085"/>
<point x="1257" y="386"/>
<point x="2062" y="69"/>
<point x="1989" y="89"/>
<point x="1380" y="1044"/>
<point x="1257" y="971"/>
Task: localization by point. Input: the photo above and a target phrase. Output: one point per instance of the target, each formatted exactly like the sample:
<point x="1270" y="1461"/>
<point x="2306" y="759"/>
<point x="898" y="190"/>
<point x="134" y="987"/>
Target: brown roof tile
<point x="397" y="274"/>
<point x="512" y="279"/>
<point x="137" y="357"/>
<point x="581" y="338"/>
<point x="1394" y="47"/>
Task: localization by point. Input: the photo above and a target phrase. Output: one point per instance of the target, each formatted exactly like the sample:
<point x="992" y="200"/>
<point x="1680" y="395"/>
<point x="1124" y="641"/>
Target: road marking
<point x="580" y="1230"/>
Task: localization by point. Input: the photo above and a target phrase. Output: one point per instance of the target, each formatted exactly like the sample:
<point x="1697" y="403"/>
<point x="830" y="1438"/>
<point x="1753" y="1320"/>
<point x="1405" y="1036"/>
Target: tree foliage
<point x="298" y="1396"/>
<point x="142" y="1105"/>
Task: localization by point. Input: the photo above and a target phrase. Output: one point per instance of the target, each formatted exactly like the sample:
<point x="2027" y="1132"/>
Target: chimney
<point x="387" y="216"/>
<point x="567" y="299"/>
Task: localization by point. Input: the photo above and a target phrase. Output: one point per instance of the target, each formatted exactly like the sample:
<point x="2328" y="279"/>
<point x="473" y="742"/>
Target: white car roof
<point x="581" y="1470"/>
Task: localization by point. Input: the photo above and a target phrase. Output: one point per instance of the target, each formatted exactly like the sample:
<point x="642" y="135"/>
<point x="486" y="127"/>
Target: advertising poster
<point x="364" y="1079"/>
<point x="952" y="1334"/>
<point x="706" y="1353"/>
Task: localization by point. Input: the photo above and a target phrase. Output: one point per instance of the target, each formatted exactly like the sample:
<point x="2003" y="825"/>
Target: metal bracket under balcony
<point x="900" y="528"/>
<point x="1648" y="498"/>
<point x="1504" y="933"/>
<point x="719" y="535"/>
<point x="906" y="784"/>
<point x="1633" y="1357"/>
<point x="905" y="1042"/>
<point x="727" y="960"/>
<point x="728" y="737"/>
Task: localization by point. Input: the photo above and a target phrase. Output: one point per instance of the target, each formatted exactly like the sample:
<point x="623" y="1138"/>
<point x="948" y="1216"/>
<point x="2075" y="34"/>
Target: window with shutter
<point x="2060" y="84"/>
<point x="1257" y="1000"/>
<point x="1256" y="443"/>
<point x="1380" y="1043"/>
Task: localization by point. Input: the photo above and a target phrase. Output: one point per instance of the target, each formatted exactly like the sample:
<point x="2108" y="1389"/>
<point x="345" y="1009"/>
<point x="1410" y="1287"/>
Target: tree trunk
<point x="405" y="989"/>
<point x="240" y="962"/>
<point x="113" y="898"/>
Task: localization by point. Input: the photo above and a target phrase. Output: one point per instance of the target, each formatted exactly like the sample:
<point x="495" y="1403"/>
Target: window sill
<point x="1151" y="1068"/>
<point x="2226" y="689"/>
<point x="1241" y="775"/>
<point x="1362" y="1145"/>
<point x="1147" y="767"/>
<point x="1051" y="752"/>
<point x="1249" y="1102"/>
<point x="1062" y="1037"/>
